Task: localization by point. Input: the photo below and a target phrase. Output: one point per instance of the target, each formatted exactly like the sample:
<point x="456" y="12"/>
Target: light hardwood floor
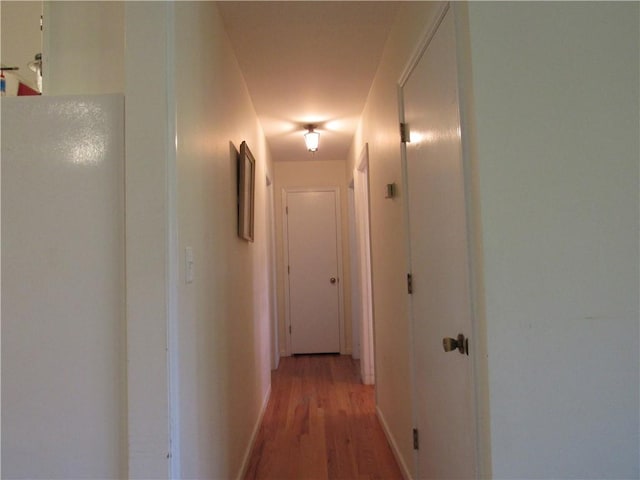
<point x="320" y="423"/>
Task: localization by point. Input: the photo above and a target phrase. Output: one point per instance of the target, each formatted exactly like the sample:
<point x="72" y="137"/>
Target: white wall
<point x="379" y="127"/>
<point x="312" y="173"/>
<point x="63" y="331"/>
<point x="192" y="409"/>
<point x="150" y="159"/>
<point x="556" y="124"/>
<point x="224" y="331"/>
<point x="84" y="47"/>
<point x="554" y="156"/>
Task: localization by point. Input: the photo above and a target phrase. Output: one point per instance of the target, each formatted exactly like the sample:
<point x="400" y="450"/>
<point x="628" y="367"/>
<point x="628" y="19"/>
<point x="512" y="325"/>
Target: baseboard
<point x="406" y="473"/>
<point x="254" y="434"/>
<point x="368" y="379"/>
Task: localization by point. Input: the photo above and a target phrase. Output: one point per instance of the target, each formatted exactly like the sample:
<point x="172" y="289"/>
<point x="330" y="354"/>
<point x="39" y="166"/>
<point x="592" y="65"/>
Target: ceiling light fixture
<point x="311" y="138"/>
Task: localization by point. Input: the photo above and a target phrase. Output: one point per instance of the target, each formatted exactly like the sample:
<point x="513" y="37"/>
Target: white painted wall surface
<point x="312" y="173"/>
<point x="556" y="122"/>
<point x="149" y="158"/>
<point x="223" y="351"/>
<point x="224" y="332"/>
<point x="379" y="128"/>
<point x="84" y="47"/>
<point x="556" y="128"/>
<point x="63" y="332"/>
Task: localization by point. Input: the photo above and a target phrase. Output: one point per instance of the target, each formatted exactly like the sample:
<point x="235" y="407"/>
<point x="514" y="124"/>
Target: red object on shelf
<point x="24" y="90"/>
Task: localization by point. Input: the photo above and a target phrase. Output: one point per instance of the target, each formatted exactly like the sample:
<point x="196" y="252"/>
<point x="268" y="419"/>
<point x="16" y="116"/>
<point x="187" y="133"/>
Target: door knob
<point x="460" y="343"/>
<point x="332" y="280"/>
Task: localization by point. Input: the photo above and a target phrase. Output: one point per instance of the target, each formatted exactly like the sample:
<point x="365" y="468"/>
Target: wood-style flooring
<point x="320" y="423"/>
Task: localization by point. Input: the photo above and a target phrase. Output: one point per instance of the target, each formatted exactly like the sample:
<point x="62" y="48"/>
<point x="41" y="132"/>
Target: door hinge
<point x="286" y="209"/>
<point x="289" y="329"/>
<point x="409" y="283"/>
<point x="288" y="269"/>
<point x="41" y="21"/>
<point x="416" y="439"/>
<point x="405" y="134"/>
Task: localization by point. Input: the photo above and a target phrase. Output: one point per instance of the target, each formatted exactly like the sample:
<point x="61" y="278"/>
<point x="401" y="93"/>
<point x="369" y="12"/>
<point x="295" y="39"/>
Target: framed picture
<point x="246" y="192"/>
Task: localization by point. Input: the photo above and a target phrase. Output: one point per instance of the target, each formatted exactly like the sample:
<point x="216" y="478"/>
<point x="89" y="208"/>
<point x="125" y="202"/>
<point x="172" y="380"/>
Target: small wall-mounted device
<point x="390" y="190"/>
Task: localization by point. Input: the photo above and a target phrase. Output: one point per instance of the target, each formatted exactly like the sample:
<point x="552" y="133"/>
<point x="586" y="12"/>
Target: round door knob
<point x="332" y="279"/>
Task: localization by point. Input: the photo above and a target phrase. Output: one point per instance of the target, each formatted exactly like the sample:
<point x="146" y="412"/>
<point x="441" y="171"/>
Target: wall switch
<point x="188" y="263"/>
<point x="390" y="190"/>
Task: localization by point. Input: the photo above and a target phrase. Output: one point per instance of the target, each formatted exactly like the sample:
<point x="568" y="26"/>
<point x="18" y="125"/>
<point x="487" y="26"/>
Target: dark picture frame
<point x="246" y="192"/>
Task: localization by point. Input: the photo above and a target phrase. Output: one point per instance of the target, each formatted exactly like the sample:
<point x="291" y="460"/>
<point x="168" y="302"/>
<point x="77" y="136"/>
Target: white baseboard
<point x="254" y="434"/>
<point x="406" y="473"/>
<point x="369" y="379"/>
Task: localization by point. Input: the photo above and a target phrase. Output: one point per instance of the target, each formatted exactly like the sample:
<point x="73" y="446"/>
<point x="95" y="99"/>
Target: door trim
<point x="425" y="40"/>
<point x="363" y="235"/>
<point x="479" y="356"/>
<point x="354" y="268"/>
<point x="273" y="281"/>
<point x="285" y="241"/>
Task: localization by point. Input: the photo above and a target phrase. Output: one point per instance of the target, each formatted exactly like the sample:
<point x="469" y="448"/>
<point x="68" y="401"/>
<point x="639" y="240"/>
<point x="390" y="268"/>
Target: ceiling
<point x="308" y="63"/>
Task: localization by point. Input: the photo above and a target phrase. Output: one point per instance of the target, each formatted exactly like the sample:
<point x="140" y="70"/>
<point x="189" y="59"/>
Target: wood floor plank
<point x="320" y="423"/>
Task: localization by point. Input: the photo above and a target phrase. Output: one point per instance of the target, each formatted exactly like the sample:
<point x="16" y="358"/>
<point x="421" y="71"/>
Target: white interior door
<point x="313" y="270"/>
<point x="441" y="305"/>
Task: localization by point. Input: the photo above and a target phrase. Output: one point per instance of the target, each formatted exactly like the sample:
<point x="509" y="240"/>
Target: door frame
<point x="355" y="280"/>
<point x="285" y="241"/>
<point x="363" y="233"/>
<point x="273" y="283"/>
<point x="478" y="343"/>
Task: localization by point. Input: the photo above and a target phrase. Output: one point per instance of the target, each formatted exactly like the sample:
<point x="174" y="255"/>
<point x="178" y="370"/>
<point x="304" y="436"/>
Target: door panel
<point x="314" y="300"/>
<point x="441" y="304"/>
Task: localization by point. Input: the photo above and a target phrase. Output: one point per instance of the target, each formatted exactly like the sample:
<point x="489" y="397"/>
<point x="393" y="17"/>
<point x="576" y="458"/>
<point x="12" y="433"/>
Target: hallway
<point x="320" y="423"/>
<point x="141" y="325"/>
